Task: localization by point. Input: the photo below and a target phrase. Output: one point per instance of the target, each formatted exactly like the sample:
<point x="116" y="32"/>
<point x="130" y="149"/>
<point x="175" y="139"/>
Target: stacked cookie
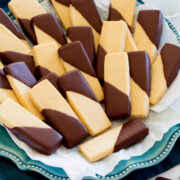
<point x="52" y="93"/>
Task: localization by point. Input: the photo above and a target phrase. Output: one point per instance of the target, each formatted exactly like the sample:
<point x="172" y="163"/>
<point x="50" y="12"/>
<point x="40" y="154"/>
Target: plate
<point x="153" y="156"/>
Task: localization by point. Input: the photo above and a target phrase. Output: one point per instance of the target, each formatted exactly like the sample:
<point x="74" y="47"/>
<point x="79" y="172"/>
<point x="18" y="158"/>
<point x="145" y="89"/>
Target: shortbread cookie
<point x="24" y="10"/>
<point x="130" y="43"/>
<point x="46" y="55"/>
<point x="74" y="56"/>
<point x="112" y="40"/>
<point x="9" y="57"/>
<point x="5" y="88"/>
<point x="22" y="80"/>
<point x="53" y="79"/>
<point x="41" y="72"/>
<point x="164" y="71"/>
<point x="85" y="36"/>
<point x="63" y="11"/>
<point x="117" y="85"/>
<point x="47" y="29"/>
<point x="28" y="128"/>
<point x="9" y="24"/>
<point x="84" y="13"/>
<point x="140" y="73"/>
<point x="1" y="65"/>
<point x="122" y="10"/>
<point x="9" y="42"/>
<point x="114" y="140"/>
<point x="148" y="31"/>
<point x="84" y="102"/>
<point x="58" y="113"/>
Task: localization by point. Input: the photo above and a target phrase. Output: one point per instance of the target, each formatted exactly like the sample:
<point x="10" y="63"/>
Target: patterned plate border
<point x="153" y="156"/>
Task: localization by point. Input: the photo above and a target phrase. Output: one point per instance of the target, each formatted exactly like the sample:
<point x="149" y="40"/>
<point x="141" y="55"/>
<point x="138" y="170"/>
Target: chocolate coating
<point x="170" y="55"/>
<point x="4" y="83"/>
<point x="20" y="72"/>
<point x="44" y="140"/>
<point x="89" y="11"/>
<point x="75" y="82"/>
<point x="152" y="22"/>
<point x="41" y="72"/>
<point x="130" y="133"/>
<point x="9" y="57"/>
<point x="115" y="15"/>
<point x="162" y="178"/>
<point x="75" y="54"/>
<point x="9" y="24"/>
<point x="72" y="130"/>
<point x="85" y="36"/>
<point x="140" y="69"/>
<point x="117" y="104"/>
<point x="52" y="78"/>
<point x="64" y="2"/>
<point x="28" y="29"/>
<point x="48" y="23"/>
<point x="101" y="53"/>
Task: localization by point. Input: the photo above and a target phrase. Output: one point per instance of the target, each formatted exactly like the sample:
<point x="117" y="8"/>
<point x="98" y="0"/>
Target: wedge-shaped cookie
<point x="9" y="57"/>
<point x="28" y="128"/>
<point x="53" y="79"/>
<point x="46" y="55"/>
<point x="47" y="29"/>
<point x="117" y="85"/>
<point x="148" y="31"/>
<point x="164" y="71"/>
<point x="41" y="72"/>
<point x="74" y="56"/>
<point x="58" y="113"/>
<point x="85" y="36"/>
<point x="84" y="13"/>
<point x="24" y="10"/>
<point x="140" y="83"/>
<point x="5" y="88"/>
<point x="112" y="40"/>
<point x="122" y="10"/>
<point x="84" y="102"/>
<point x="63" y="11"/>
<point x="114" y="140"/>
<point x="9" y="42"/>
<point x="9" y="24"/>
<point x="1" y="65"/>
<point x="21" y="81"/>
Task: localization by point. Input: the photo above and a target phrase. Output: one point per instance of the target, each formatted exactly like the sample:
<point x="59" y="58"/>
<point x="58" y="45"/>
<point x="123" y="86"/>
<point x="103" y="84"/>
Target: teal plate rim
<point x="158" y="152"/>
<point x="153" y="156"/>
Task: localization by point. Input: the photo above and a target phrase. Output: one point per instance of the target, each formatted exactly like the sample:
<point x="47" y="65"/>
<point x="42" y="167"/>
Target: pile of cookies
<point x="51" y="94"/>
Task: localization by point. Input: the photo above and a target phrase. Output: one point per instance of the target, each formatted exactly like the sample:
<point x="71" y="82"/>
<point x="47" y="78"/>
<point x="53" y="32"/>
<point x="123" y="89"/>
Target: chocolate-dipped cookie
<point x="47" y="29"/>
<point x="122" y="10"/>
<point x="84" y="102"/>
<point x="28" y="128"/>
<point x="117" y="85"/>
<point x="85" y="36"/>
<point x="9" y="57"/>
<point x="112" y="40"/>
<point x="22" y="80"/>
<point x="63" y="11"/>
<point x="5" y="88"/>
<point x="9" y="24"/>
<point x="84" y="13"/>
<point x="58" y="113"/>
<point x="140" y="83"/>
<point x="9" y="42"/>
<point x="46" y="55"/>
<point x="114" y="140"/>
<point x="148" y="31"/>
<point x="164" y="71"/>
<point x="24" y="10"/>
<point x="74" y="56"/>
<point x="41" y="72"/>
